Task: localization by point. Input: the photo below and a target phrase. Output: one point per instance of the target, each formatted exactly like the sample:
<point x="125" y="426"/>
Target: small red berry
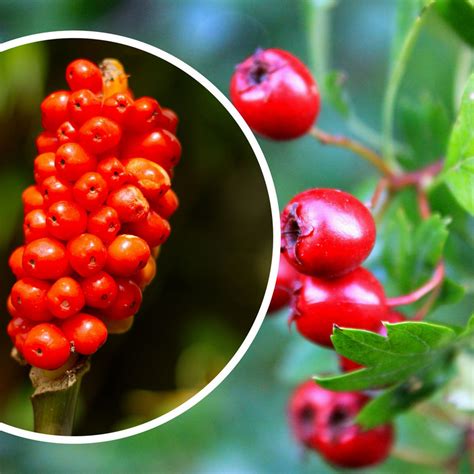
<point x="149" y="177"/>
<point x="12" y="311"/>
<point x="32" y="198"/>
<point x="129" y="202"/>
<point x="146" y="275"/>
<point x="100" y="290"/>
<point x="84" y="74"/>
<point x="167" y="205"/>
<point x="115" y="107"/>
<point x="287" y="281"/>
<point x="128" y="300"/>
<point x="113" y="171"/>
<point x="275" y="94"/>
<point x="104" y="223"/>
<point x="143" y="115"/>
<point x="54" y="110"/>
<point x="90" y="191"/>
<point x="66" y="220"/>
<point x="153" y="229"/>
<point x="46" y="347"/>
<point x="355" y="300"/>
<point x="325" y="421"/>
<point x="66" y="133"/>
<point x="54" y="189"/>
<point x="99" y="134"/>
<point x="44" y="166"/>
<point x="19" y="325"/>
<point x="169" y="120"/>
<point x="65" y="298"/>
<point x="326" y="232"/>
<point x="82" y="106"/>
<point x="72" y="161"/>
<point x="127" y="254"/>
<point x="15" y="262"/>
<point x="28" y="297"/>
<point x="86" y="333"/>
<point x="47" y="142"/>
<point x="34" y="225"/>
<point x="45" y="259"/>
<point x="87" y="254"/>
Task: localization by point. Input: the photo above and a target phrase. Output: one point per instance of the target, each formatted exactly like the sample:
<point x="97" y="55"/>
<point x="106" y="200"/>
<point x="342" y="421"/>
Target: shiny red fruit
<point x="54" y="110"/>
<point x="72" y="161"/>
<point x="87" y="254"/>
<point x="84" y="74"/>
<point x="355" y="300"/>
<point x="104" y="223"/>
<point x="54" y="189"/>
<point x="45" y="259"/>
<point x="15" y="262"/>
<point x="128" y="300"/>
<point x="169" y="120"/>
<point x="149" y="177"/>
<point x="99" y="135"/>
<point x="115" y="107"/>
<point x="143" y="115"/>
<point x="113" y="171"/>
<point x="166" y="205"/>
<point x="28" y="297"/>
<point x="47" y="142"/>
<point x="46" y="347"/>
<point x="85" y="332"/>
<point x="129" y="202"/>
<point x="82" y="106"/>
<point x="153" y="229"/>
<point x="32" y="198"/>
<point x="66" y="220"/>
<point x="44" y="166"/>
<point x="276" y="94"/>
<point x="326" y="232"/>
<point x="287" y="281"/>
<point x="34" y="225"/>
<point x="66" y="133"/>
<point x="65" y="298"/>
<point x="100" y="290"/>
<point x="325" y="422"/>
<point x="18" y="328"/>
<point x="90" y="191"/>
<point x="127" y="254"/>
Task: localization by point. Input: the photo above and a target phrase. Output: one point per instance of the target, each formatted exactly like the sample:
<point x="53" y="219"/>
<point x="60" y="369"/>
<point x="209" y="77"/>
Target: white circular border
<point x="94" y="35"/>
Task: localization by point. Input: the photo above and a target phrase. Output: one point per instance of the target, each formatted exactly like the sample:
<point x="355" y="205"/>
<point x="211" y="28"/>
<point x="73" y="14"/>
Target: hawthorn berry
<point x="65" y="298"/>
<point x="84" y="74"/>
<point x="45" y="259"/>
<point x="326" y="232"/>
<point x="66" y="220"/>
<point x="276" y="94"/>
<point x="127" y="255"/>
<point x="325" y="422"/>
<point x="287" y="281"/>
<point x="85" y="332"/>
<point x="46" y="347"/>
<point x="87" y="254"/>
<point x="355" y="300"/>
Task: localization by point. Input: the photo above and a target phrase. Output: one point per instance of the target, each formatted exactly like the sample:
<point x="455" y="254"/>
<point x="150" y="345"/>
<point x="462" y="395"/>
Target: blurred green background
<point x="241" y="426"/>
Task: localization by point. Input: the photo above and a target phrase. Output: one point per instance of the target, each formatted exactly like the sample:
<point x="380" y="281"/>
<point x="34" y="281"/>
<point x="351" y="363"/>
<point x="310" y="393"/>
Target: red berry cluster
<point x="326" y="234"/>
<point x="95" y="217"/>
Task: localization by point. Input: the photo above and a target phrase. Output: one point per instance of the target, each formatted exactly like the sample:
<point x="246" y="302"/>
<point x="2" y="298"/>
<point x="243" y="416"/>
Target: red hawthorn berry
<point x="127" y="254"/>
<point x="46" y="347"/>
<point x="146" y="275"/>
<point x="90" y="191"/>
<point x="85" y="332"/>
<point x="87" y="254"/>
<point x="149" y="177"/>
<point x="128" y="300"/>
<point x="129" y="202"/>
<point x="326" y="232"/>
<point x="66" y="220"/>
<point x="104" y="223"/>
<point x="168" y="120"/>
<point x="325" y="422"/>
<point x="82" y="106"/>
<point x="54" y="189"/>
<point x="32" y="199"/>
<point x="100" y="290"/>
<point x="143" y="115"/>
<point x="84" y="74"/>
<point x="159" y="146"/>
<point x="44" y="166"/>
<point x="275" y="94"/>
<point x="355" y="300"/>
<point x="287" y="281"/>
<point x="54" y="110"/>
<point x="153" y="229"/>
<point x="28" y="297"/>
<point x="348" y="365"/>
<point x="66" y="133"/>
<point x="65" y="298"/>
<point x="113" y="171"/>
<point x="99" y="134"/>
<point x="34" y="225"/>
<point x="72" y="161"/>
<point x="47" y="142"/>
<point x="115" y="107"/>
<point x="166" y="205"/>
<point x="45" y="259"/>
<point x="15" y="262"/>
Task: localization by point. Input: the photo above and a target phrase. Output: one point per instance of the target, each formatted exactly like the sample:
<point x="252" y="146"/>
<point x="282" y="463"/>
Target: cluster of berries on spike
<point x="326" y="234"/>
<point x="94" y="219"/>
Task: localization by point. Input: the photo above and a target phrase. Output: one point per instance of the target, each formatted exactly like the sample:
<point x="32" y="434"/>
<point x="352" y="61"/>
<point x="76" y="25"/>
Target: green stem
<point x="393" y="86"/>
<point x="55" y="398"/>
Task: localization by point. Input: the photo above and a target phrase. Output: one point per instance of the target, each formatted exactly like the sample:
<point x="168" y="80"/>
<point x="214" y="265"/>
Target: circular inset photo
<point x="137" y="237"/>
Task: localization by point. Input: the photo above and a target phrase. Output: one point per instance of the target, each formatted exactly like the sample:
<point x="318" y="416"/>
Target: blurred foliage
<point x="241" y="426"/>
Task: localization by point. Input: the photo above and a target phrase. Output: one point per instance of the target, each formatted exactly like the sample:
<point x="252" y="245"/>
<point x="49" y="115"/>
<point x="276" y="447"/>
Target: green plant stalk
<point x="394" y="85"/>
<point x="55" y="398"/>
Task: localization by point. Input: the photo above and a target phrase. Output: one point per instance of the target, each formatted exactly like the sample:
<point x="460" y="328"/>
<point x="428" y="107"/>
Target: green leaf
<point x="336" y="94"/>
<point x="451" y="292"/>
<point x="459" y="165"/>
<point x="408" y="348"/>
<point x="459" y="14"/>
